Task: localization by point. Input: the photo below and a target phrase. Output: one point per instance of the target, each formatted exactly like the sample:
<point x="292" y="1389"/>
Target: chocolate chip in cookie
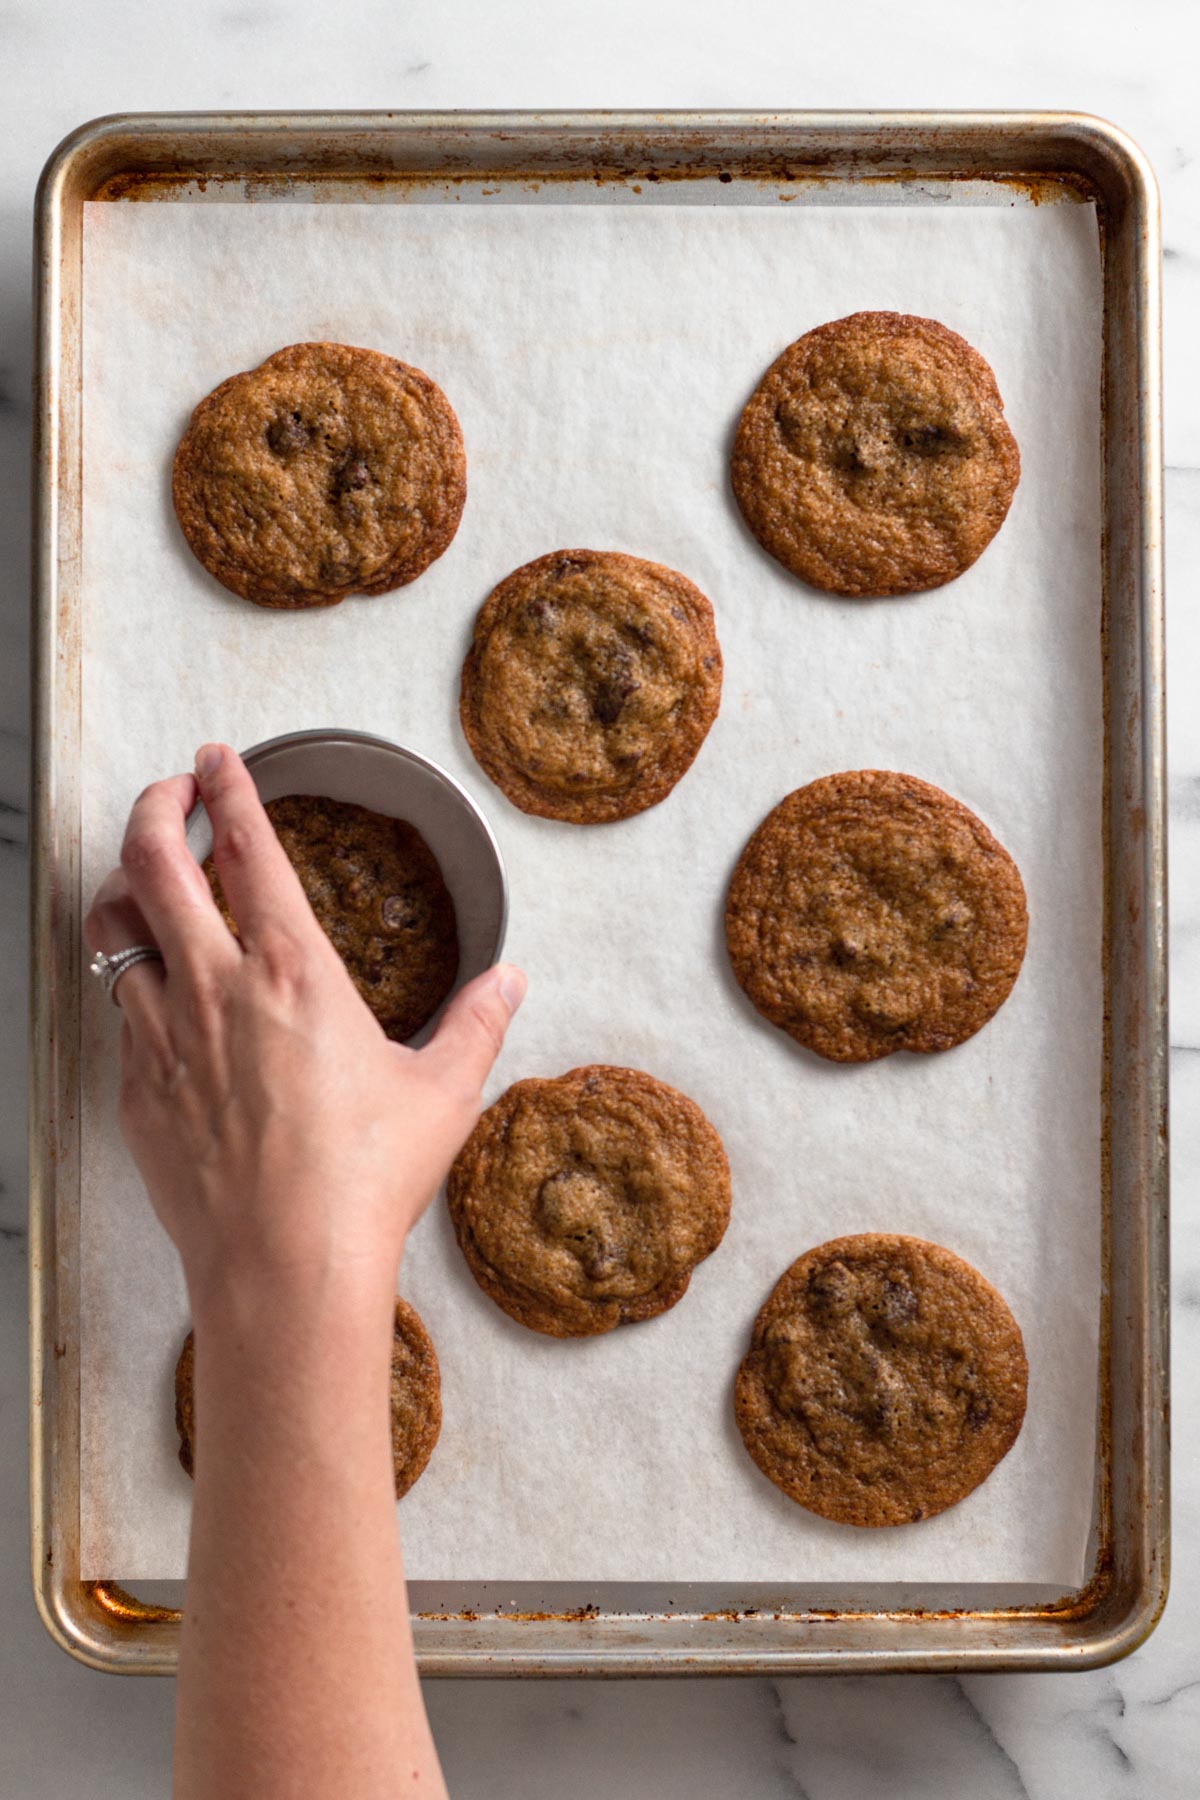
<point x="585" y="1202"/>
<point x="874" y="458"/>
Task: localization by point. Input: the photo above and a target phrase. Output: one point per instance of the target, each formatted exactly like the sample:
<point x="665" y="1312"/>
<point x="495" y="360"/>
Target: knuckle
<point x="205" y="995"/>
<point x="112" y="891"/>
<point x="143" y="852"/>
<point x="159" y="1071"/>
<point x="94" y="924"/>
<point x="235" y="841"/>
<point x="103" y="916"/>
<point x="285" y="960"/>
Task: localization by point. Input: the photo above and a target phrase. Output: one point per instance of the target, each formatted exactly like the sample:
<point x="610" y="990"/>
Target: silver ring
<point x="111" y="968"/>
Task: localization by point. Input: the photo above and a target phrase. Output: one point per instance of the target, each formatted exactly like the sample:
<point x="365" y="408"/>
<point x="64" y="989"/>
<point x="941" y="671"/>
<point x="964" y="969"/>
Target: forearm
<point x="279" y="1130"/>
<point x="296" y="1672"/>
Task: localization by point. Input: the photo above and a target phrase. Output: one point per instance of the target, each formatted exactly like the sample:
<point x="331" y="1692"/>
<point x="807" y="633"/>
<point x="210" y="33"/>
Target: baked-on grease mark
<point x="592" y="680"/>
<point x="326" y="471"/>
<point x="885" y="1380"/>
<point x="414" y="1399"/>
<point x="873" y="458"/>
<point x="380" y="898"/>
<point x="585" y="1202"/>
<point x="870" y="912"/>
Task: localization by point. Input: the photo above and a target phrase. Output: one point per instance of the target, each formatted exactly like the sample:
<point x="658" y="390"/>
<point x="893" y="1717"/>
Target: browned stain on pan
<point x="814" y="168"/>
<point x="125" y="1607"/>
<point x="118" y="1603"/>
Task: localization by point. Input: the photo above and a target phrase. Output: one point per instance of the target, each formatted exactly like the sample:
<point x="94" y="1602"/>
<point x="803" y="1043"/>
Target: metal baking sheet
<point x="829" y="161"/>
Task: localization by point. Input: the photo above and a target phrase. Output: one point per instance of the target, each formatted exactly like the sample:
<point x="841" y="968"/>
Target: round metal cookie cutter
<point x="390" y="779"/>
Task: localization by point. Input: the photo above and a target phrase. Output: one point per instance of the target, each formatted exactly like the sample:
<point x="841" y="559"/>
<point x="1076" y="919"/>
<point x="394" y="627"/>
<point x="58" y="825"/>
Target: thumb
<point x="471" y="1034"/>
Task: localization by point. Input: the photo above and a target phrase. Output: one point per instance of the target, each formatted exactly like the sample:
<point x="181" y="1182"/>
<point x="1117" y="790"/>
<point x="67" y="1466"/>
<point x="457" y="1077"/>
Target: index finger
<point x="259" y="883"/>
<point x="165" y="878"/>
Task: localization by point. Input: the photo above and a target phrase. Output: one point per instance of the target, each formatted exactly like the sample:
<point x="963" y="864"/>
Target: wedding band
<point x="111" y="968"/>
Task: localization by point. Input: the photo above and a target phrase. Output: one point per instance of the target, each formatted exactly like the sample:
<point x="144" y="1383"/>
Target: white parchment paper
<point x="598" y="356"/>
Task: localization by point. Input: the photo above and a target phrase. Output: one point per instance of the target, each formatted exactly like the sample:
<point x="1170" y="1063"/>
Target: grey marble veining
<point x="1130" y="1731"/>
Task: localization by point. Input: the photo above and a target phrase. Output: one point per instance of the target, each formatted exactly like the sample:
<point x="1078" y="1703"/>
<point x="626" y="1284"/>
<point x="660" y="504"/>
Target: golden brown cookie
<point x="380" y="899"/>
<point x="590" y="685"/>
<point x="873" y="457"/>
<point x="324" y="472"/>
<point x="870" y="912"/>
<point x="185" y="1403"/>
<point x="585" y="1202"/>
<point x="415" y="1399"/>
<point x="885" y="1380"/>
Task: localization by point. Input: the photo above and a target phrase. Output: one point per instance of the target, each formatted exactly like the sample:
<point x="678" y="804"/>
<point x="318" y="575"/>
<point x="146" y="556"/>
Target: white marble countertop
<point x="1126" y="1731"/>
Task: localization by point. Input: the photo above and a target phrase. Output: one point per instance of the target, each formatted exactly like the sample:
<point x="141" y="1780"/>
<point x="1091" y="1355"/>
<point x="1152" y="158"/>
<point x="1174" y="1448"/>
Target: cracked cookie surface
<point x="326" y="471"/>
<point x="885" y="1380"/>
<point x="415" y="1399"/>
<point x="585" y="1202"/>
<point x="379" y="896"/>
<point x="873" y="458"/>
<point x="591" y="683"/>
<point x="870" y="912"/>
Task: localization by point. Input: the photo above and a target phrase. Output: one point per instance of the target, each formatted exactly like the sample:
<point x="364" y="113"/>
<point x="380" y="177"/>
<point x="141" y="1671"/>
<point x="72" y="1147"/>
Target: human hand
<point x="284" y="1141"/>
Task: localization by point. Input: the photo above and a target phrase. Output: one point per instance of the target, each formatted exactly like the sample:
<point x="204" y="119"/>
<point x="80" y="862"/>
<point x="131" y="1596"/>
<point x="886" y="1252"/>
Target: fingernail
<point x="208" y="760"/>
<point x="512" y="987"/>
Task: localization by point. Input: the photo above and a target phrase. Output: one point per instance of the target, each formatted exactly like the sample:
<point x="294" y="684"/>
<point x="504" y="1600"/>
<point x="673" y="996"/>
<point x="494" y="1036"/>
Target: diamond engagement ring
<point x="111" y="968"/>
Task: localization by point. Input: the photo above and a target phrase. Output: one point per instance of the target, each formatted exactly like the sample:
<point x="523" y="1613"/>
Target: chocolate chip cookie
<point x="415" y="1399"/>
<point x="585" y="1202"/>
<point x="874" y="458"/>
<point x="185" y="1403"/>
<point x="590" y="685"/>
<point x="380" y="899"/>
<point x="324" y="472"/>
<point x="885" y="1380"/>
<point x="870" y="912"/>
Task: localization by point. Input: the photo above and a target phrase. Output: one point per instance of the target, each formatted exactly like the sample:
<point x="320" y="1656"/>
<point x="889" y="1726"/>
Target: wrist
<point x="295" y="1378"/>
<point x="248" y="1300"/>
